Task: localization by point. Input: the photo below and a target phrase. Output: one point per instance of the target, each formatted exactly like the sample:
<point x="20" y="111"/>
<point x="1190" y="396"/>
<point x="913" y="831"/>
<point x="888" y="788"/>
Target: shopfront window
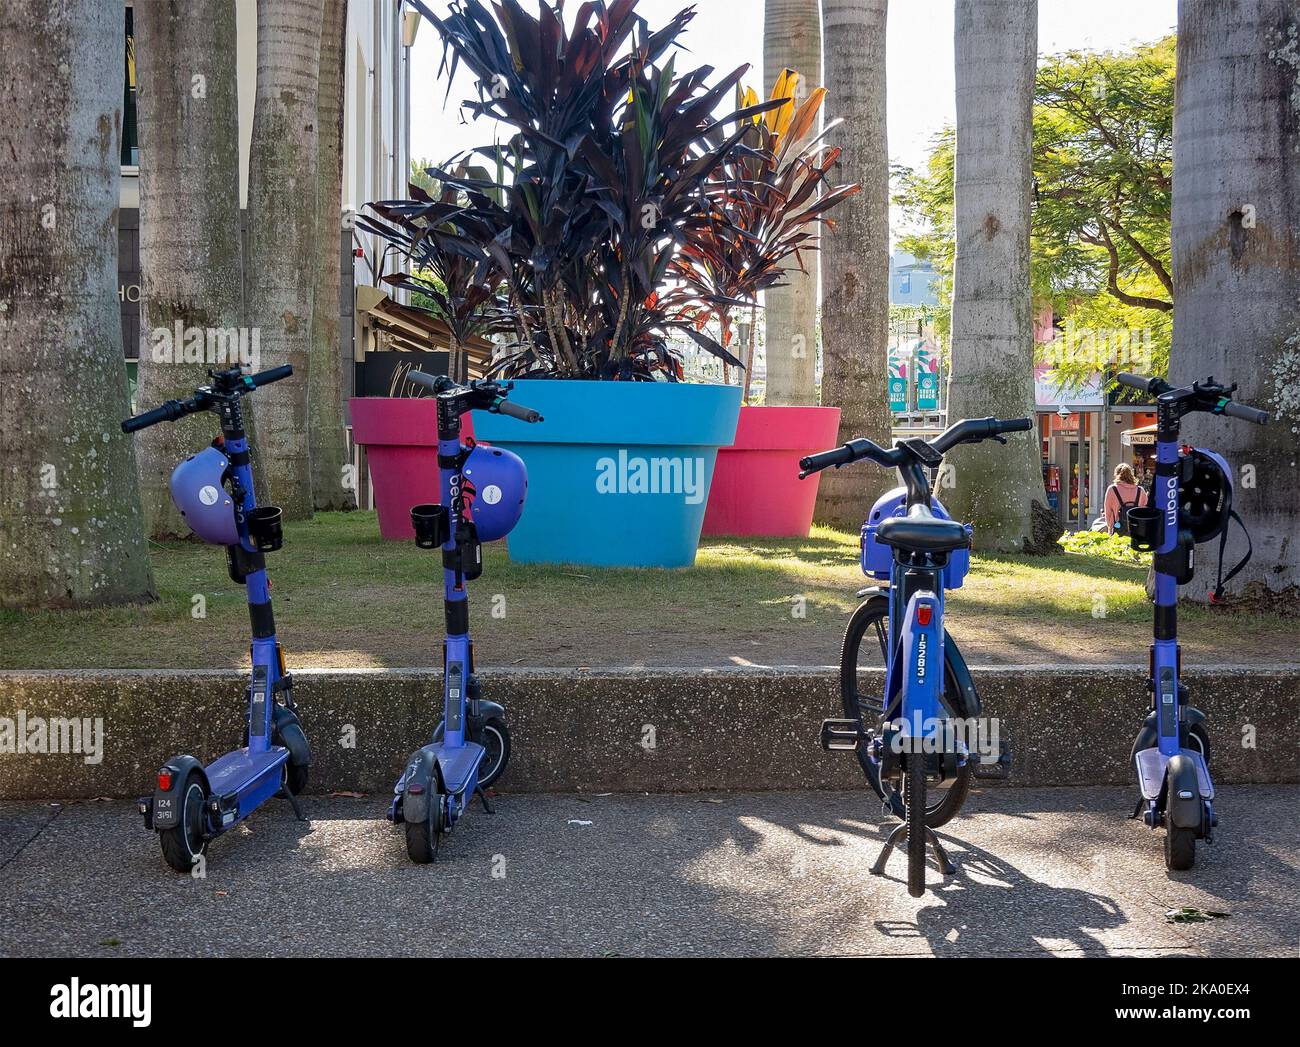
<point x="130" y="139"/>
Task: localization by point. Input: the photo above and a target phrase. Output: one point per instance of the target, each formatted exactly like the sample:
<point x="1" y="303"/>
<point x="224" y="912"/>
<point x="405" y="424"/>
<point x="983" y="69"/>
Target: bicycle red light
<point x="923" y="614"/>
<point x="165" y="779"/>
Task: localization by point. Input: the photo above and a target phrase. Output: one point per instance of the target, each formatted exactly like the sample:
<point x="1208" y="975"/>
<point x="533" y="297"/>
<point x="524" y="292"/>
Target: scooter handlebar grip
<point x="168" y="412"/>
<point x="429" y="381"/>
<point x="513" y="410"/>
<point x="274" y="374"/>
<point x="1014" y="425"/>
<point x="1245" y="412"/>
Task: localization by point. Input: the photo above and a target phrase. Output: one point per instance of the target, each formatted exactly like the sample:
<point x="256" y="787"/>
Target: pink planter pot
<point x="756" y="486"/>
<point x="400" y="435"/>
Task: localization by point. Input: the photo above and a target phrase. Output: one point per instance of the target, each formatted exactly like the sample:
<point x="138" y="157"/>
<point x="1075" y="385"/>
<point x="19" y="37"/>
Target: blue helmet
<point x="500" y="481"/>
<point x="198" y="494"/>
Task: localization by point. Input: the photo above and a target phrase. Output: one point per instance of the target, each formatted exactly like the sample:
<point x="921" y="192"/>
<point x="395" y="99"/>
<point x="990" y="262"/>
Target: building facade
<point x="376" y="151"/>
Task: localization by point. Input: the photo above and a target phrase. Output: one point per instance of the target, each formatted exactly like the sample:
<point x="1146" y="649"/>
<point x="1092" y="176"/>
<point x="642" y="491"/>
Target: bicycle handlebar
<point x="968" y="430"/>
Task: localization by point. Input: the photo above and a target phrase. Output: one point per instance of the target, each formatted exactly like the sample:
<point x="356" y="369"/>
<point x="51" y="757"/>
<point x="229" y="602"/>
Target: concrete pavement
<point x="1040" y="871"/>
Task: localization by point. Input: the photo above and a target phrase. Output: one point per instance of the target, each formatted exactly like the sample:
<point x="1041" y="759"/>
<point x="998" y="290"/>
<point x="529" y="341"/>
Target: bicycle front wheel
<point x="914" y="801"/>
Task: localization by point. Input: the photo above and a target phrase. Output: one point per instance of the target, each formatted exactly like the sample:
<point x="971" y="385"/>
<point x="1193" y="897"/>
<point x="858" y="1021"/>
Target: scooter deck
<point x="1151" y="764"/>
<point x="457" y="765"/>
<point x="251" y="776"/>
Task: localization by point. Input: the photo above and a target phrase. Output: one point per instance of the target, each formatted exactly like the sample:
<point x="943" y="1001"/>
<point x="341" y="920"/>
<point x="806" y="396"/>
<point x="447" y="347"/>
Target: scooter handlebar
<point x="429" y="381"/>
<point x="513" y="410"/>
<point x="1140" y="382"/>
<point x="168" y="412"/>
<point x="272" y="375"/>
<point x="1245" y="412"/>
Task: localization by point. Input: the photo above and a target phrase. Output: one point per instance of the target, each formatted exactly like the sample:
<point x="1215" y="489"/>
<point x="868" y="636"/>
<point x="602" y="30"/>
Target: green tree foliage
<point x="1103" y="176"/>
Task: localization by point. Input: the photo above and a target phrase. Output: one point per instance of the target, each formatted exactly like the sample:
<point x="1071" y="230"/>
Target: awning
<point x="399" y="328"/>
<point x="1140" y="437"/>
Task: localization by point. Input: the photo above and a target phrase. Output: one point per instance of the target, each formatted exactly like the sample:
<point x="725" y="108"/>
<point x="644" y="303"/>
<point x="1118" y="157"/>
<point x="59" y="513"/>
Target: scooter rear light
<point x="165" y="779"/>
<point x="923" y="614"/>
<point x="415" y="790"/>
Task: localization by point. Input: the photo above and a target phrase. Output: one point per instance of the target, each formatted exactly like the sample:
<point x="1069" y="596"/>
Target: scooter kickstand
<point x="483" y="796"/>
<point x="299" y="813"/>
<point x="1138" y="809"/>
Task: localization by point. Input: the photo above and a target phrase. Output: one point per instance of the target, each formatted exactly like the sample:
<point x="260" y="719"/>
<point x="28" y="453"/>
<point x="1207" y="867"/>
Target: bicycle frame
<point x="915" y="668"/>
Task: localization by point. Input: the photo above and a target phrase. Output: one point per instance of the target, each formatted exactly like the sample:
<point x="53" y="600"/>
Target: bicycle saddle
<point x="921" y="532"/>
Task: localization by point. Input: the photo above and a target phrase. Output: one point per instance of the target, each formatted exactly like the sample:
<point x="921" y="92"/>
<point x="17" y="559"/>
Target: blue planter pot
<point x="619" y="472"/>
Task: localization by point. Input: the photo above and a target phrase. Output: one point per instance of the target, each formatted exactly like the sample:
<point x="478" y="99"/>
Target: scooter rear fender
<point x="418" y="782"/>
<point x="165" y="808"/>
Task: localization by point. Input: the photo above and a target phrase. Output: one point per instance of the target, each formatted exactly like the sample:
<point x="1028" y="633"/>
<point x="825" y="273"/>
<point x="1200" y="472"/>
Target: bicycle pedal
<point x="840" y="735"/>
<point x="998" y="771"/>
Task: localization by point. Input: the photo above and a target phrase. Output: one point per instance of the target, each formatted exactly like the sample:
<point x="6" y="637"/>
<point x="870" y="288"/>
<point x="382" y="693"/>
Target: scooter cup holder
<point x="1146" y="527"/>
<point x="264" y="528"/>
<point x="432" y="525"/>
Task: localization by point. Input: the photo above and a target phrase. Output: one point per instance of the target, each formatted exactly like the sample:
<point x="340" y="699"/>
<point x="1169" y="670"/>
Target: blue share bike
<point x="213" y="490"/>
<point x="483" y="490"/>
<point x="1191" y="503"/>
<point x="903" y="723"/>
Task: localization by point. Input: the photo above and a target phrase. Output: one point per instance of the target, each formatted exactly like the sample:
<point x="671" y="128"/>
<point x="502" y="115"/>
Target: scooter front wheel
<point x="1180" y="848"/>
<point x="422" y="837"/>
<point x="495" y="740"/>
<point x="184" y="844"/>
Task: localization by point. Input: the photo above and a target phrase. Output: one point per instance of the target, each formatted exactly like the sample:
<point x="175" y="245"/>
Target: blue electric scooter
<point x="483" y="491"/>
<point x="1191" y="503"/>
<point x="191" y="804"/>
<point x="906" y="735"/>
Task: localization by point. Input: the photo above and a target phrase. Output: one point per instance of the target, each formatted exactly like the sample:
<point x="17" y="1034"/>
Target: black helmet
<point x="1206" y="499"/>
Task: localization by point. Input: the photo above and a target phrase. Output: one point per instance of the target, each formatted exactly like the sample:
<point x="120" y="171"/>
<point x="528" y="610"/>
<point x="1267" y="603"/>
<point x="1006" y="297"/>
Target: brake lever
<point x="1000" y="438"/>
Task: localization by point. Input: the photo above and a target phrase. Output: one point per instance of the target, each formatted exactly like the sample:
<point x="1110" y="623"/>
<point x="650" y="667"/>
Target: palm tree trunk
<point x="855" y="257"/>
<point x="792" y="39"/>
<point x="282" y="234"/>
<point x="327" y="436"/>
<point x="1236" y="259"/>
<point x="71" y="533"/>
<point x="191" y="256"/>
<point x="992" y="486"/>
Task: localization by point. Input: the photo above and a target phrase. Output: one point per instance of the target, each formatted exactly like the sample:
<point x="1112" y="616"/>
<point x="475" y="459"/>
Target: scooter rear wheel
<point x="864" y="648"/>
<point x="422" y="838"/>
<point x="184" y="844"/>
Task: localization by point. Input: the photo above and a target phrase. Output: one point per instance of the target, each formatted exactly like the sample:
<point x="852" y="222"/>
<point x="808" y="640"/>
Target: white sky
<point x="729" y="33"/>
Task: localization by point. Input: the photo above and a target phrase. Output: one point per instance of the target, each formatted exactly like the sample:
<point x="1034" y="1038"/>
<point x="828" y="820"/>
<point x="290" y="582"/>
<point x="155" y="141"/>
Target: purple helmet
<point x="200" y="498"/>
<point x="500" y="482"/>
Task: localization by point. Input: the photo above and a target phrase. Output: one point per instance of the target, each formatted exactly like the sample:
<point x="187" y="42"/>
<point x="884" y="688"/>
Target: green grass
<point x="345" y="598"/>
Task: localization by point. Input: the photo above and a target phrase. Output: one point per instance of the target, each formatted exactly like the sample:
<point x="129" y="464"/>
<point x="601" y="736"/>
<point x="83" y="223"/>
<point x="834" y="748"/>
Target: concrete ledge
<point x="652" y="730"/>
